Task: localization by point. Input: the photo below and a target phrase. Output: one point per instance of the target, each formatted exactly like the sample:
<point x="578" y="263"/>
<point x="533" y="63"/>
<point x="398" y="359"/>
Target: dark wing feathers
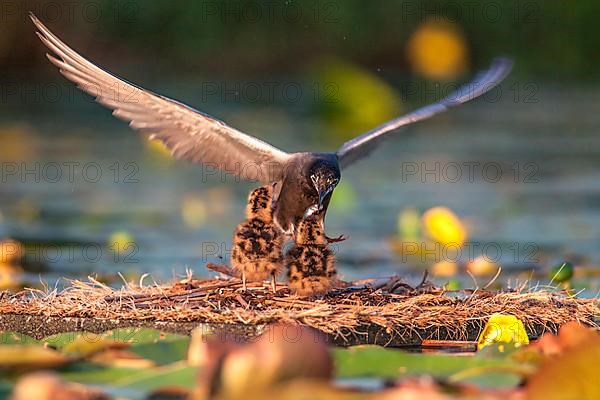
<point x="189" y="134"/>
<point x="363" y="145"/>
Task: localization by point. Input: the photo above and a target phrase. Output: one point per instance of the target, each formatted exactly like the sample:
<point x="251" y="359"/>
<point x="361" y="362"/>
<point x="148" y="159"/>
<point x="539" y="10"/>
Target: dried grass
<point x="428" y="313"/>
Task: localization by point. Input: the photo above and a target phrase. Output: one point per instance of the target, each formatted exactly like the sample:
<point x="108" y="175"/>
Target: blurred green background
<point x="551" y="39"/>
<point x="307" y="75"/>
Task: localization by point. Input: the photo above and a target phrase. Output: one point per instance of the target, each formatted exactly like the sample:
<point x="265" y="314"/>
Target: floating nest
<point x="384" y="312"/>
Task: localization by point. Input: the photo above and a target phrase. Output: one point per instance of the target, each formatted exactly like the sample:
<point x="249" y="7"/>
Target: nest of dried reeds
<point x="380" y="312"/>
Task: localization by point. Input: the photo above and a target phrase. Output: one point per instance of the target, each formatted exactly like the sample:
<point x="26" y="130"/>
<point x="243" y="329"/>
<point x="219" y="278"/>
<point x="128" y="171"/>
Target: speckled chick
<point x="257" y="242"/>
<point x="310" y="263"/>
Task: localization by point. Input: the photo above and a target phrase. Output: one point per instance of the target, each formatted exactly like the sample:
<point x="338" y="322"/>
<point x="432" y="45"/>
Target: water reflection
<point x="543" y="207"/>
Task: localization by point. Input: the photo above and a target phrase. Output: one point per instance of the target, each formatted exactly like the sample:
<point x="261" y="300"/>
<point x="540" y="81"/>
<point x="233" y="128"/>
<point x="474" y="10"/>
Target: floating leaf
<point x="16" y="338"/>
<point x="562" y="273"/>
<point x="60" y="340"/>
<point x="375" y="361"/>
<point x="503" y="329"/>
<point x="121" y="359"/>
<point x="124" y="335"/>
<point x="141" y="335"/>
<point x="482" y="266"/>
<point x="409" y="224"/>
<point x="45" y="385"/>
<point x="86" y="372"/>
<point x="30" y="357"/>
<point x="443" y="226"/>
<point x="11" y="276"/>
<point x="121" y="242"/>
<point x="444" y="268"/>
<point x="176" y="374"/>
<point x="162" y="352"/>
<point x="88" y="345"/>
<point x="437" y="50"/>
<point x="11" y="251"/>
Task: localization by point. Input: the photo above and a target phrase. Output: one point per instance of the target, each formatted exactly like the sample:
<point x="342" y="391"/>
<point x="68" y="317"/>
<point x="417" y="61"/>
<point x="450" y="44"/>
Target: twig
<point x="493" y="279"/>
<point x="223" y="269"/>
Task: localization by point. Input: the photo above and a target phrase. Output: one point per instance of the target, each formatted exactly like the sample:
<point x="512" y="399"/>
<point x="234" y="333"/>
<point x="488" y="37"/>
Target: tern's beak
<point x="323" y="193"/>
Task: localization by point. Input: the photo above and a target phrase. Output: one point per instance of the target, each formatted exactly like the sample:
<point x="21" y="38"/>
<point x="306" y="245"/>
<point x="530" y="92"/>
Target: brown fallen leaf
<point x="570" y="335"/>
<point x="284" y="353"/>
<point x="171" y="393"/>
<point x="305" y="389"/>
<point x="121" y="358"/>
<point x="87" y="345"/>
<point x="427" y="388"/>
<point x="45" y="385"/>
<point x="572" y="374"/>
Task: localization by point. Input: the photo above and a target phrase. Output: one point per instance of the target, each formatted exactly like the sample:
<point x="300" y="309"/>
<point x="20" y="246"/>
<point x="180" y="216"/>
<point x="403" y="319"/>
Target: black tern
<point x="304" y="181"/>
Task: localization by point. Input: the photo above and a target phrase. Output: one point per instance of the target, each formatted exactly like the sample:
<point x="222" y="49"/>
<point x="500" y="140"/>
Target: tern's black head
<point x="324" y="175"/>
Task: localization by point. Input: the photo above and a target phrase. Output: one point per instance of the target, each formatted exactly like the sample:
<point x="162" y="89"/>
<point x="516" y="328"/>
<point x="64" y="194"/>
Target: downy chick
<point x="311" y="264"/>
<point x="257" y="242"/>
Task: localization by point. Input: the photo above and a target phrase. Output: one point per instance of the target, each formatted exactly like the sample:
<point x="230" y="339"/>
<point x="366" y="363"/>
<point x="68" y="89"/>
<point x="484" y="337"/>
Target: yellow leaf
<point x="482" y="266"/>
<point x="30" y="357"/>
<point x="88" y="344"/>
<point x="503" y="329"/>
<point x="437" y="50"/>
<point x="443" y="226"/>
<point x="444" y="268"/>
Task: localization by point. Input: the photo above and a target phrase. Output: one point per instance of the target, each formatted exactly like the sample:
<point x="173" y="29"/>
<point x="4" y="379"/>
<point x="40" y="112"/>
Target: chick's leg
<point x="273" y="283"/>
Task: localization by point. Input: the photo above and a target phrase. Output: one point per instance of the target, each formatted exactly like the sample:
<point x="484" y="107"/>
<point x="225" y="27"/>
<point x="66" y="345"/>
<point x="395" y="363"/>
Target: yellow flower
<point x="437" y="50"/>
<point x="443" y="226"/>
<point x="503" y="329"/>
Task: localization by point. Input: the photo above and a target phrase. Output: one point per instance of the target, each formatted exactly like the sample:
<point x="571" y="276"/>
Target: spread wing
<point x="363" y="145"/>
<point x="189" y="134"/>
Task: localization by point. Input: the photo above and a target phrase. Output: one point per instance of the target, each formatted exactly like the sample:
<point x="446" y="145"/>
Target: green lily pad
<point x="16" y="338"/>
<point x="124" y="335"/>
<point x="141" y="335"/>
<point x="562" y="272"/>
<point x="16" y="358"/>
<point x="175" y="374"/>
<point x="89" y="373"/>
<point x="164" y="351"/>
<point x="374" y="361"/>
<point x="5" y="389"/>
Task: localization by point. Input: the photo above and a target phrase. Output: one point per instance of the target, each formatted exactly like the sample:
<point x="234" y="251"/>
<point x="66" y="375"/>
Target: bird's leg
<point x="273" y="284"/>
<point x="340" y="238"/>
<point x="244" y="281"/>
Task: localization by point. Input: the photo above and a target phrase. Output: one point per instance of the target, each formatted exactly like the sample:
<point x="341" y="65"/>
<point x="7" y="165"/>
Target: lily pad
<point x="176" y="374"/>
<point x="122" y="335"/>
<point x="164" y="351"/>
<point x="15" y="358"/>
<point x="16" y="338"/>
<point x="374" y="361"/>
